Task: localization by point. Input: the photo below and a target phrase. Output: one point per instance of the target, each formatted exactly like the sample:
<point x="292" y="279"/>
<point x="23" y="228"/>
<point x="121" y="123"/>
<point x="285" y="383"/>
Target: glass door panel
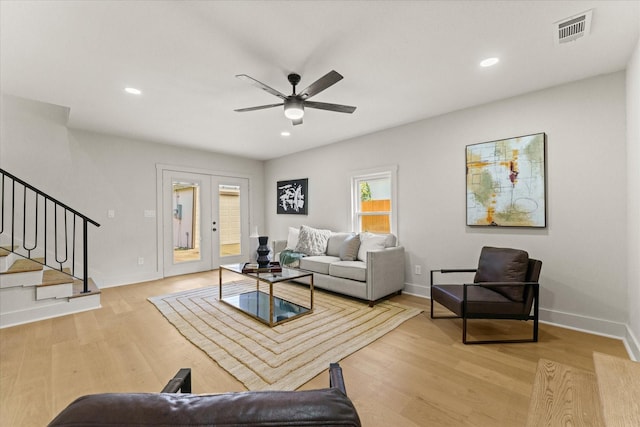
<point x="186" y="221"/>
<point x="230" y="220"/>
<point x="233" y="220"/>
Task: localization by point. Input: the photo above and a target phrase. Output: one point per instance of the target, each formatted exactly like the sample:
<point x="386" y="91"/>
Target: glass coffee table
<point x="267" y="307"/>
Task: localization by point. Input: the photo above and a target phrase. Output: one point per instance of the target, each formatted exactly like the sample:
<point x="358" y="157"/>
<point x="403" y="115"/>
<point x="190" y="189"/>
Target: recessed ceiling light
<point x="489" y="62"/>
<point x="133" y="90"/>
<point x="285" y="133"/>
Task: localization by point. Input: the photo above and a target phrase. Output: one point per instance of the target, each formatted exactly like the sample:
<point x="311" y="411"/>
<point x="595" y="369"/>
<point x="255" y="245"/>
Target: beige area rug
<point x="288" y="355"/>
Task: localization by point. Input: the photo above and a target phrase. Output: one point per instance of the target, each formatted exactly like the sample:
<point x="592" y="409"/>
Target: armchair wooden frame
<point x="530" y="303"/>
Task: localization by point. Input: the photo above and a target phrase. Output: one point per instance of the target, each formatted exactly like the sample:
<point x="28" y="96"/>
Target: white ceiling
<point x="402" y="61"/>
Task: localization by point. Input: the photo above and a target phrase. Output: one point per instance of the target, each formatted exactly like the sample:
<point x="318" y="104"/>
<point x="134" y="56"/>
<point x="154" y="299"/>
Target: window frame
<point x="356" y="177"/>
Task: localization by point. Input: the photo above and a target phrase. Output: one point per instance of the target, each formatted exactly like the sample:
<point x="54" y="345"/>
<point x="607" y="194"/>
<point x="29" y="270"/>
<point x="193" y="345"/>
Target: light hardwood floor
<point x="420" y="374"/>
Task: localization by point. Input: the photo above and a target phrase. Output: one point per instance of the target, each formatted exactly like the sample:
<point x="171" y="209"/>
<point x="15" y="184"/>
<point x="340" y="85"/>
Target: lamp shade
<point x="293" y="109"/>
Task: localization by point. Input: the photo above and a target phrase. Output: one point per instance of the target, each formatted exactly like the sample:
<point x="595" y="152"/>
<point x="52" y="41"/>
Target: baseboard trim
<point x="129" y="279"/>
<point x="573" y="321"/>
<point x="632" y="344"/>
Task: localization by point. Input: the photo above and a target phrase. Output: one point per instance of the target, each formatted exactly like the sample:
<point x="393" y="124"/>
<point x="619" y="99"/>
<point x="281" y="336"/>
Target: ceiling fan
<point x="295" y="103"/>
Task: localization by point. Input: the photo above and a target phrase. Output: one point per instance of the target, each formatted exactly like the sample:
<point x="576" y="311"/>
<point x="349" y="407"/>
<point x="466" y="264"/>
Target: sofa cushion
<point x="318" y="264"/>
<point x="292" y="238"/>
<point x="335" y="242"/>
<point x="349" y="248"/>
<point x="312" y="241"/>
<point x="354" y="270"/>
<point x="370" y="242"/>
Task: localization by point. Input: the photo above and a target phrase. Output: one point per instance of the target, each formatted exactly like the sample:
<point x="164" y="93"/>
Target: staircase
<point x="43" y="256"/>
<point x="566" y="396"/>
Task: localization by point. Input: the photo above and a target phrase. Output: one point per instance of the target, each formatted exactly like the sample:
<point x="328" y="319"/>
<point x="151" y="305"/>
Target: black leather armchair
<point x="323" y="407"/>
<point x="505" y="287"/>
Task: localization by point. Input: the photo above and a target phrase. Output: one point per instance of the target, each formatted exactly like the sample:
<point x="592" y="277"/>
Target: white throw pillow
<point x="292" y="238"/>
<point x="312" y="241"/>
<point x="370" y="242"/>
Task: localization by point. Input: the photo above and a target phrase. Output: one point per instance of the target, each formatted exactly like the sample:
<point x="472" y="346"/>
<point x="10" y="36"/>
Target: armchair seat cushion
<point x="480" y="301"/>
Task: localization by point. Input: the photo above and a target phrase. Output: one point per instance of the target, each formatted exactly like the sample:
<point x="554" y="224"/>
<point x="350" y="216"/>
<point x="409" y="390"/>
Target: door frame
<point x="160" y="214"/>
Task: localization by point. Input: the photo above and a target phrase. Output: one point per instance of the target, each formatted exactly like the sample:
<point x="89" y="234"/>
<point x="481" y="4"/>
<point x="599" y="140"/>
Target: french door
<point x="205" y="221"/>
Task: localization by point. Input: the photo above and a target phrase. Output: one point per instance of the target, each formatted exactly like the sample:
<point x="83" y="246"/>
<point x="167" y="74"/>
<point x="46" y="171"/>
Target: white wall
<point x="633" y="182"/>
<point x="584" y="247"/>
<point x="94" y="173"/>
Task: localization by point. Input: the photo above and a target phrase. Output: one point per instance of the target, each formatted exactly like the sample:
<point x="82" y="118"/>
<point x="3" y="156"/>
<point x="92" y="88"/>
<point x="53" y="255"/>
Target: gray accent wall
<point x="584" y="281"/>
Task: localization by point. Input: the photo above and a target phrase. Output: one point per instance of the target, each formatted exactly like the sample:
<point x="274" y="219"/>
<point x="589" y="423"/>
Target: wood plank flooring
<point x="420" y="374"/>
<point x="563" y="395"/>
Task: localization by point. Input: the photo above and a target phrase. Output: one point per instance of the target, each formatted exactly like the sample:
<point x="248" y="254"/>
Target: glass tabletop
<point x="269" y="277"/>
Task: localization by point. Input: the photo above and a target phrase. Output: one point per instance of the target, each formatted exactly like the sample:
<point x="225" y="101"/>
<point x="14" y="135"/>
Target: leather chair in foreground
<point x="505" y="287"/>
<point x="324" y="407"/>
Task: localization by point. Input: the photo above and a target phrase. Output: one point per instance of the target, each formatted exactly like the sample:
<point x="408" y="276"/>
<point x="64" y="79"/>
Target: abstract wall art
<point x="292" y="196"/>
<point x="506" y="182"/>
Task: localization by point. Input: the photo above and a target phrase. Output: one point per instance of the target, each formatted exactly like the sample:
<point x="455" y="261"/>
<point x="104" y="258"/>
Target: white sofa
<point x="376" y="272"/>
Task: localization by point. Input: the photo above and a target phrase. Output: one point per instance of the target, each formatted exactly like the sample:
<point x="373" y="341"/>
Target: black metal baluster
<point x="85" y="262"/>
<point x="24" y="223"/>
<point x="73" y="248"/>
<point x="2" y="211"/>
<point x="66" y="239"/>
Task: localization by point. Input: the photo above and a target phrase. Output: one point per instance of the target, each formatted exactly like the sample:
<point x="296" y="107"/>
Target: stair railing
<point x="48" y="226"/>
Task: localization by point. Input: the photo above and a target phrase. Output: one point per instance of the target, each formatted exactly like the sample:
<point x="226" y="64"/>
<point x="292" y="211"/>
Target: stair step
<point x="6" y="250"/>
<point x="619" y="385"/>
<point x="564" y="395"/>
<point x="78" y="287"/>
<point x="23" y="266"/>
<point x="56" y="277"/>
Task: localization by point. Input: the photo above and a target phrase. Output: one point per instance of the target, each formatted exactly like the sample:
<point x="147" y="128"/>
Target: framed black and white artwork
<point x="293" y="197"/>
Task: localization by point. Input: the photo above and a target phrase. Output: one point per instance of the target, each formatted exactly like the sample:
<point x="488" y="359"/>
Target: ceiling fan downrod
<point x="294" y="79"/>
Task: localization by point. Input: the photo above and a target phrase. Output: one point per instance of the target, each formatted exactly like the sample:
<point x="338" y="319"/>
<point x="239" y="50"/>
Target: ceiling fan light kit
<point x="294" y="104"/>
<point x="293" y="109"/>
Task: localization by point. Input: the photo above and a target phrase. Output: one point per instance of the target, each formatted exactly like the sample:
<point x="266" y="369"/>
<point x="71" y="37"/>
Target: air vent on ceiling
<point x="573" y="28"/>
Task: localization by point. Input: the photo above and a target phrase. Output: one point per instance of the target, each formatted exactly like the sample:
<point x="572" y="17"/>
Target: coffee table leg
<point x="311" y="290"/>
<point x="219" y="283"/>
<point x="270" y="304"/>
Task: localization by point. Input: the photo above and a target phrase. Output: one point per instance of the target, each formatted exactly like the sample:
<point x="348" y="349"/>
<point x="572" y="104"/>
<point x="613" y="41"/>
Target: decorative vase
<point x="263" y="252"/>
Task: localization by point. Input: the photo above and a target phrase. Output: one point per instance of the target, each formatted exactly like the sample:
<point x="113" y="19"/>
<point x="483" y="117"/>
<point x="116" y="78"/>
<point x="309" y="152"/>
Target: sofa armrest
<point x="385" y="272"/>
<point x="278" y="246"/>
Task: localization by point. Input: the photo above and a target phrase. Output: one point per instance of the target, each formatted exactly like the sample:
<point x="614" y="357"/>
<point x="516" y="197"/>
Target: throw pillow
<point x="312" y="241"/>
<point x="349" y="248"/>
<point x="292" y="238"/>
<point x="370" y="242"/>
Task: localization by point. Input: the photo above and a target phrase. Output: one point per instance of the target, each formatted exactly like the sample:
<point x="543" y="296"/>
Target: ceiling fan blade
<point x="331" y="107"/>
<point x="261" y="107"/>
<point x="296" y="122"/>
<point x="329" y="79"/>
<point x="262" y="86"/>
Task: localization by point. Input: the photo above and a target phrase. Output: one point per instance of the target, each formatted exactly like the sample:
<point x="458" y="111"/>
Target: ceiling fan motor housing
<point x="294" y="79"/>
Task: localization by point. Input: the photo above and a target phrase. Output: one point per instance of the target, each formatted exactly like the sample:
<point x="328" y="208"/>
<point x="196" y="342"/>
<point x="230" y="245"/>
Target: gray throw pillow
<point x="312" y="241"/>
<point x="349" y="248"/>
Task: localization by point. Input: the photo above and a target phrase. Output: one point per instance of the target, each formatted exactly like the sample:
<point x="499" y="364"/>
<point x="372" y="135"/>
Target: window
<point x="373" y="196"/>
